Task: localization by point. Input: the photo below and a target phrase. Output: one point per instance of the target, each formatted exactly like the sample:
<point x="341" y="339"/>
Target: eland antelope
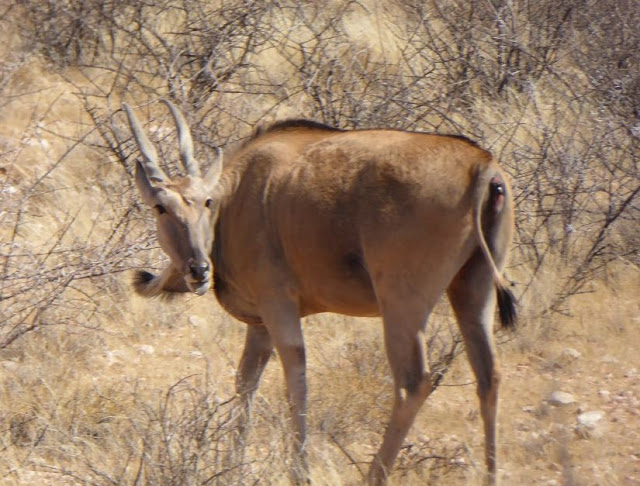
<point x="305" y="218"/>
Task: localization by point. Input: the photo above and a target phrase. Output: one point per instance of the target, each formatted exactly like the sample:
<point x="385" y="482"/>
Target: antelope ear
<point x="213" y="174"/>
<point x="145" y="187"/>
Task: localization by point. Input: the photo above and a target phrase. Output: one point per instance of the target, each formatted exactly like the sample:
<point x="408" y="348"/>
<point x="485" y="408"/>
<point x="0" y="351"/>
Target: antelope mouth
<point x="198" y="276"/>
<point x="199" y="287"/>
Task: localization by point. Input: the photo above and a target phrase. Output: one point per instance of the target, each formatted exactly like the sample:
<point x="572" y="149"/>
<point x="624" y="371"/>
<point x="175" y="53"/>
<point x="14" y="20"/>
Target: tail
<point x="507" y="307"/>
<point x="492" y="188"/>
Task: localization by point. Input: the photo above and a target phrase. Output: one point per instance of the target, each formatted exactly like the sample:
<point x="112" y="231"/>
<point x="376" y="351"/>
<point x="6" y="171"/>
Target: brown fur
<point x="376" y="222"/>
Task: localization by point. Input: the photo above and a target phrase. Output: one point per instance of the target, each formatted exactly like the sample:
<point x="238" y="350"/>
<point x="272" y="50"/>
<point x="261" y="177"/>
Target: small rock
<point x="145" y="349"/>
<point x="605" y="394"/>
<point x="197" y="321"/>
<point x="590" y="419"/>
<point x="560" y="398"/>
<point x="570" y="353"/>
<point x="10" y="365"/>
<point x="620" y="398"/>
<point x="557" y="428"/>
<point x="114" y="357"/>
<point x="195" y="354"/>
<point x="588" y="424"/>
<point x="529" y="409"/>
<point x="459" y="461"/>
<point x="607" y="358"/>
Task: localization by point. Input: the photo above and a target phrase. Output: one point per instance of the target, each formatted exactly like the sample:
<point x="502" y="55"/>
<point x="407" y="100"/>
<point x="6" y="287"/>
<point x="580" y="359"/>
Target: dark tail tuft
<point x="507" y="307"/>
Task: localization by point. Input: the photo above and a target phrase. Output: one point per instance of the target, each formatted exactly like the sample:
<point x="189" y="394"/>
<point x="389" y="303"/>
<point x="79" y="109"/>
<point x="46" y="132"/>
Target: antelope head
<point x="186" y="210"/>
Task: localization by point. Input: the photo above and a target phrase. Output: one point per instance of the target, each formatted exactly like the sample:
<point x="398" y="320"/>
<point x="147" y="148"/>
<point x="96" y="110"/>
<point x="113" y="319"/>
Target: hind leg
<point x="472" y="296"/>
<point x="406" y="349"/>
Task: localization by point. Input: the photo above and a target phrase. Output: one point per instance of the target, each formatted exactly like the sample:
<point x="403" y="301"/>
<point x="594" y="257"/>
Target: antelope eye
<point x="208" y="203"/>
<point x="160" y="209"/>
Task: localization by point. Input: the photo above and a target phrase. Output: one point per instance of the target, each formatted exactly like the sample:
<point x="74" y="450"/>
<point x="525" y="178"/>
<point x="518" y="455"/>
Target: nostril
<point x="199" y="270"/>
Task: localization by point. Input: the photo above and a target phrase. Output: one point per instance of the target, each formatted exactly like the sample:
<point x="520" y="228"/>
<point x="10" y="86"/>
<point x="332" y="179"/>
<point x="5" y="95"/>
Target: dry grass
<point x="84" y="406"/>
<point x="102" y="387"/>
